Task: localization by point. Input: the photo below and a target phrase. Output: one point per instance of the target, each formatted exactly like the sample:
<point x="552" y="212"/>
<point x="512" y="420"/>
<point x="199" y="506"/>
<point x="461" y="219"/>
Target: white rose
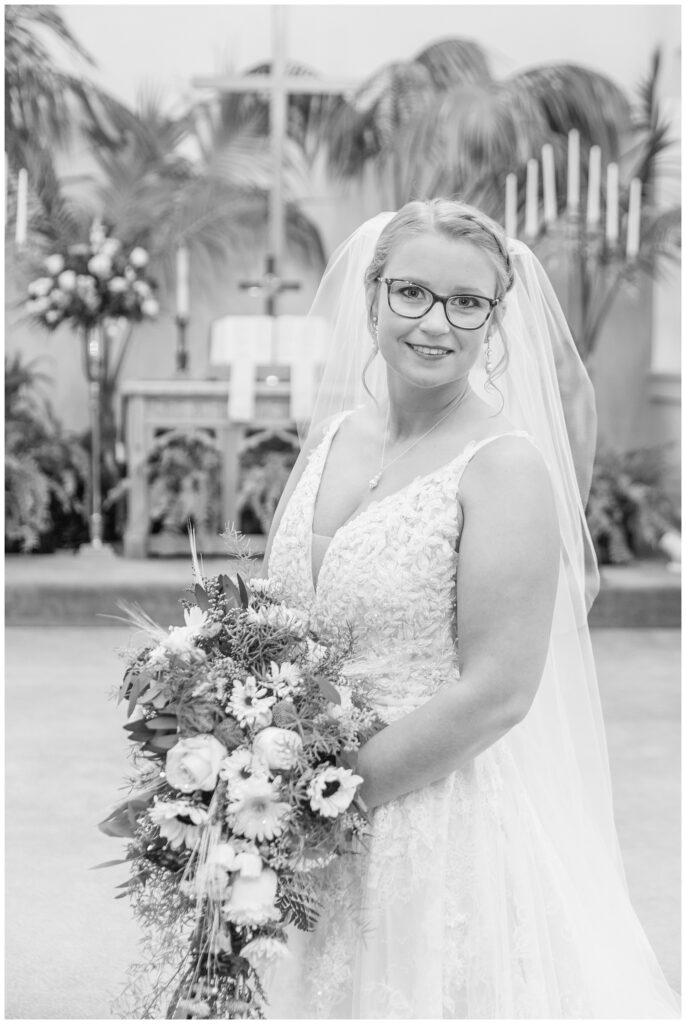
<point x="150" y="307"/>
<point x="118" y="285"/>
<point x="100" y="265"/>
<point x="41" y="286"/>
<point x="67" y="280"/>
<point x="54" y="264"/>
<point x="194" y="762"/>
<point x="138" y="258"/>
<point x="278" y="748"/>
<point x="252" y="899"/>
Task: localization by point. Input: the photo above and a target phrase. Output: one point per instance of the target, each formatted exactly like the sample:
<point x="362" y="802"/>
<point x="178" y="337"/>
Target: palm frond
<point x="570" y="96"/>
<point x="455" y="61"/>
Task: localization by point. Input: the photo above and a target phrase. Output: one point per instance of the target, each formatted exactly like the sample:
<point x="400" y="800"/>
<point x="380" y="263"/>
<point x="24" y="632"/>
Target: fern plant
<point x="630" y="506"/>
<point x="183" y="471"/>
<point x="46" y="468"/>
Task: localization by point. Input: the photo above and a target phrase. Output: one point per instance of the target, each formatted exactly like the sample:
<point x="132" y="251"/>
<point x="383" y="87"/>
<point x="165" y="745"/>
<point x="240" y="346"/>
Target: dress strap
<point x="475" y="446"/>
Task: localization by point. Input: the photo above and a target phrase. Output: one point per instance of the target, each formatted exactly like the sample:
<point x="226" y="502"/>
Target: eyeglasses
<point x="415" y="300"/>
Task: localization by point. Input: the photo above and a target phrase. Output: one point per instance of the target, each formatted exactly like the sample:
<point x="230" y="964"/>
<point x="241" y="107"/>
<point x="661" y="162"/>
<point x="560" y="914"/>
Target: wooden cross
<point x="279" y="85"/>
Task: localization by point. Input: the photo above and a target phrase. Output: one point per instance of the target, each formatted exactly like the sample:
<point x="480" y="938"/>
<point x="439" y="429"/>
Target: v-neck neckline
<point x="326" y="443"/>
<point x="359" y="514"/>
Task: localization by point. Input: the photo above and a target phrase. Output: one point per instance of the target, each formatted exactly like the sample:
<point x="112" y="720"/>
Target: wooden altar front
<point x="273" y="367"/>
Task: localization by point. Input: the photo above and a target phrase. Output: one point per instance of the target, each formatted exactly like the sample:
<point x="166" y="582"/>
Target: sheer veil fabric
<point x="559" y="749"/>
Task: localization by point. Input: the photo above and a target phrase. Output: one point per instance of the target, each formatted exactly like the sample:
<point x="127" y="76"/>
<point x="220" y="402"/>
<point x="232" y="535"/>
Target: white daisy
<point x="178" y="821"/>
<point x="241" y="765"/>
<point x="279" y="617"/>
<point x="256" y="811"/>
<point x="284" y="678"/>
<point x="250" y="703"/>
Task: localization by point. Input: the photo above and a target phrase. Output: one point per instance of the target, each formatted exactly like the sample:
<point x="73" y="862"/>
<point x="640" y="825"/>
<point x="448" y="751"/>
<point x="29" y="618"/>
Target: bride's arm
<point x="506" y="584"/>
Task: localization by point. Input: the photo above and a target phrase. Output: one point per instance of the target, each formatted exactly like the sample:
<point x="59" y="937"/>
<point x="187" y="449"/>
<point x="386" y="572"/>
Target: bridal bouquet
<point x="244" y="728"/>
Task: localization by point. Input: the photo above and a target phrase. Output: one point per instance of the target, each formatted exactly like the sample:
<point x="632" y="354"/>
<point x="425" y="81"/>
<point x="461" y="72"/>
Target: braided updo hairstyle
<point x="452" y="219"/>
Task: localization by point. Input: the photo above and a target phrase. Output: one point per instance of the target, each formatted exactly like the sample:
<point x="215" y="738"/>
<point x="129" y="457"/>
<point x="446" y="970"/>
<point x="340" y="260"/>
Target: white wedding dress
<point x="462" y="907"/>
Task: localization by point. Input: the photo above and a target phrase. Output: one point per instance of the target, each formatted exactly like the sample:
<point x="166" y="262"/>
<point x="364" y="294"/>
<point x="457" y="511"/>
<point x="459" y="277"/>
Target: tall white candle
<point x="633" y="230"/>
<point x="22" y="206"/>
<point x="511" y="206"/>
<point x="573" y="171"/>
<point x="612" y="213"/>
<point x="531" y="217"/>
<point x="549" y="191"/>
<point x="182" y="282"/>
<point x="593" y="198"/>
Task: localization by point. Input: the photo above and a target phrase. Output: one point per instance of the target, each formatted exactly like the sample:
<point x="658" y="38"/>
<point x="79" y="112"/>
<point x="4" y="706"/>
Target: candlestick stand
<point x="181" y="345"/>
<point x="94" y="360"/>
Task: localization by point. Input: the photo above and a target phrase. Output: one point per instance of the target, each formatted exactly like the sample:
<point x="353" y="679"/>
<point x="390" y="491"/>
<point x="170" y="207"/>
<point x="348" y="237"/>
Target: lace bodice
<point x="389" y="571"/>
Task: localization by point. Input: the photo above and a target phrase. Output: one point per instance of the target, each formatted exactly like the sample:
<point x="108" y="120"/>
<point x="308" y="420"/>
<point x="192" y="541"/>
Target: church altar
<point x="272" y="367"/>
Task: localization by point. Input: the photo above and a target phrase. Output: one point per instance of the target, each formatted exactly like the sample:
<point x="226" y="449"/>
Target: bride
<point x="443" y="519"/>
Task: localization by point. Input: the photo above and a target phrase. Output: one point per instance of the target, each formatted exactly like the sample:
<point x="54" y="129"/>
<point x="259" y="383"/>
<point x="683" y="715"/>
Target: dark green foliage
<point x="46" y="468"/>
<point x="183" y="470"/>
<point x="629" y="506"/>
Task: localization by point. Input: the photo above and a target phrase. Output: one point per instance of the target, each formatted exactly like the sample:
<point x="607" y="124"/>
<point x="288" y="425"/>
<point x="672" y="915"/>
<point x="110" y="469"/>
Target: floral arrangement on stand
<point x="92" y="282"/>
<point x="245" y="728"/>
<point x="101" y="289"/>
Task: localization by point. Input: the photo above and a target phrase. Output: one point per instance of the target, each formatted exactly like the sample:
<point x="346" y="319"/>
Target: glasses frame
<point x="443" y="299"/>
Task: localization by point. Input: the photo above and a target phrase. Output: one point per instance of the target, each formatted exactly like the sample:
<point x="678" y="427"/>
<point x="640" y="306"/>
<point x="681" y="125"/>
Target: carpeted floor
<point x="68" y="941"/>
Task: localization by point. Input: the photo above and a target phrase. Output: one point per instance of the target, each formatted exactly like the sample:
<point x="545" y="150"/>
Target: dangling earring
<point x="489" y="363"/>
<point x="375" y="332"/>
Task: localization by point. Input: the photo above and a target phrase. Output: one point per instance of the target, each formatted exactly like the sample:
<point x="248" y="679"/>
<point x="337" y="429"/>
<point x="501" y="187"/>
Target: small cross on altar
<point x="270" y="285"/>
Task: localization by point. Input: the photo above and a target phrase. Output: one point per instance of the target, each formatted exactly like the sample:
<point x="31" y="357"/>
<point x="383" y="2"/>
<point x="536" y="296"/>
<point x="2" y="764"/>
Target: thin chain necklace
<point x="374" y="482"/>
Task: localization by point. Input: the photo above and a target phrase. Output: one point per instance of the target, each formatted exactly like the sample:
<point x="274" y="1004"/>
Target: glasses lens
<point x="467" y="311"/>
<point x="408" y="299"/>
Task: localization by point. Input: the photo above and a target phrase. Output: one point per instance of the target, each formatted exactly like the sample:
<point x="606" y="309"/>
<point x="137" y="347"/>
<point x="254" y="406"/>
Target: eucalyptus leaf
<point x="138" y="733"/>
<point x="243" y="590"/>
<point x="119" y="827"/>
<point x="125" y="684"/>
<point x="136" y="689"/>
<point x="231" y="592"/>
<point x="108" y="864"/>
<point x="201" y="597"/>
<point x="162" y="743"/>
<point x="163" y="722"/>
<point x="329" y="691"/>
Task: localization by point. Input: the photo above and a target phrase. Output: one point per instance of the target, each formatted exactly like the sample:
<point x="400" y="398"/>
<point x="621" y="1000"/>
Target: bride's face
<point x="429" y="351"/>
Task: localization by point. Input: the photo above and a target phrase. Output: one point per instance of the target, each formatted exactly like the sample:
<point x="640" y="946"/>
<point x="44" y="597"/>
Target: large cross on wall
<point x="279" y="84"/>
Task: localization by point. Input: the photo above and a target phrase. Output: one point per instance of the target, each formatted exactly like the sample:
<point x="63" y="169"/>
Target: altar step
<point x="66" y="589"/>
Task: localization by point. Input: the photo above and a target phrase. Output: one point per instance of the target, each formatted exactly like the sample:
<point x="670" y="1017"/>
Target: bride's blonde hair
<point x="452" y="219"/>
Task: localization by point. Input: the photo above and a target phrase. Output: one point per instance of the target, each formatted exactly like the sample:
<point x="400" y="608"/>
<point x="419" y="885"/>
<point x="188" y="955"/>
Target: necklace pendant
<point x="374" y="482"/>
